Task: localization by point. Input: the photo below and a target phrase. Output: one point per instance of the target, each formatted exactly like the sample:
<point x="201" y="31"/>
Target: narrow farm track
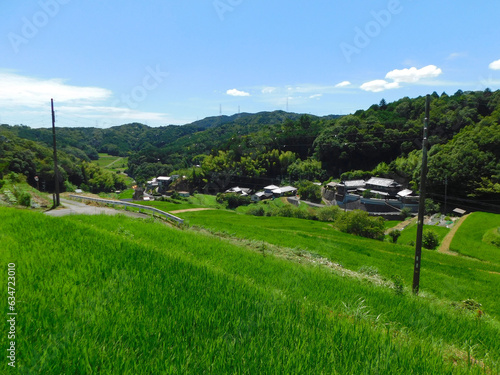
<point x="445" y="244"/>
<point x="401" y="225"/>
<point x="113" y="162"/>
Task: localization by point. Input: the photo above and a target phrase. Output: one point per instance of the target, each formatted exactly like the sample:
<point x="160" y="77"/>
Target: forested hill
<point x="125" y="139"/>
<point x="383" y="140"/>
<point x="23" y="160"/>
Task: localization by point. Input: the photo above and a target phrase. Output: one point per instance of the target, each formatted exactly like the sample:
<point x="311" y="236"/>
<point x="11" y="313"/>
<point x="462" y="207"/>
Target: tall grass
<point x="116" y="295"/>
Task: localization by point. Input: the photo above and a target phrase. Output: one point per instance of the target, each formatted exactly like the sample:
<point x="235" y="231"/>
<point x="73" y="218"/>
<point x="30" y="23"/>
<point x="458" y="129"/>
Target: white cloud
<point x="110" y="112"/>
<point x="495" y="65"/>
<point x="398" y="76"/>
<point x="456" y="55"/>
<point x="379" y="85"/>
<point x="21" y="91"/>
<point x="316" y="96"/>
<point x="343" y="84"/>
<point x="268" y="90"/>
<point x="26" y="100"/>
<point x="413" y="74"/>
<point x="235" y="92"/>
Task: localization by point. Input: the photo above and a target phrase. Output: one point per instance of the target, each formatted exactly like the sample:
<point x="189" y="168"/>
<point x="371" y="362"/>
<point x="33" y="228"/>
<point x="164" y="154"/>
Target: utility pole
<point x="421" y="205"/>
<point x="56" y="169"/>
<point x="445" y="193"/>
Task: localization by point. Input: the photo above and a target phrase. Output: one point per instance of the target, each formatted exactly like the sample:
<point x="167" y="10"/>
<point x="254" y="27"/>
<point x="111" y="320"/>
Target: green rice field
<point x="471" y="238"/>
<point x="455" y="278"/>
<point x="116" y="295"/>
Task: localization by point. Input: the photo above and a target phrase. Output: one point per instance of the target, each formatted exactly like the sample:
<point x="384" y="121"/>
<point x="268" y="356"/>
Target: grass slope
<point x="454" y="278"/>
<point x="117" y="295"/>
<point x="470" y="237"/>
<point x="409" y="234"/>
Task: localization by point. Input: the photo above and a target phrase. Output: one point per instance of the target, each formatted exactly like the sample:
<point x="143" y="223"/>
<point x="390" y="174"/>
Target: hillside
<point x="270" y="147"/>
<point x="135" y="296"/>
<point x="23" y="160"/>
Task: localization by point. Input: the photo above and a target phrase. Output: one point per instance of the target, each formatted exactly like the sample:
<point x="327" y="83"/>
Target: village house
<point x="238" y="190"/>
<point x="273" y="191"/>
<point x="383" y="186"/>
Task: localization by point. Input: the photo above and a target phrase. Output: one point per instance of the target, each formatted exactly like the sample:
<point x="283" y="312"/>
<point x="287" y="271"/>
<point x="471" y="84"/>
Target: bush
<point x="2" y="183"/>
<point x="431" y="207"/>
<point x="398" y="284"/>
<point x="406" y="213"/>
<point x="310" y="192"/>
<point x="358" y="222"/>
<point x="430" y="239"/>
<point x="330" y="213"/>
<point x="16" y="177"/>
<point x="367" y="193"/>
<point x="256" y="211"/>
<point x="23" y="197"/>
<point x="233" y="200"/>
<point x="394" y="234"/>
<point x="68" y="186"/>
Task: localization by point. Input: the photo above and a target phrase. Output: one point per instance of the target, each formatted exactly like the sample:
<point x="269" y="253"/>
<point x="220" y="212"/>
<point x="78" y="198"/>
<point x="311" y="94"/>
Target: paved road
<point x="78" y="208"/>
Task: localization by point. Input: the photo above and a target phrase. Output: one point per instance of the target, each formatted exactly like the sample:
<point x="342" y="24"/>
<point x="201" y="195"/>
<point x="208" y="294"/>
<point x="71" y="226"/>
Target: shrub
<point x="394" y="234"/>
<point x="286" y="211"/>
<point x="398" y="284"/>
<point x="430" y="239"/>
<point x="233" y="200"/>
<point x="2" y="183"/>
<point x="405" y="213"/>
<point x="23" y="198"/>
<point x="256" y="211"/>
<point x="358" y="222"/>
<point x="330" y="213"/>
<point x="431" y="207"/>
<point x="68" y="186"/>
<point x="367" y="193"/>
<point x="16" y="177"/>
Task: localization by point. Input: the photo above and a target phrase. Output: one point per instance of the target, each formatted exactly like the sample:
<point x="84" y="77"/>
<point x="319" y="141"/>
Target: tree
<point x="308" y="191"/>
<point x="430" y="239"/>
<point x="309" y="169"/>
<point x="359" y="223"/>
<point x="395" y="234"/>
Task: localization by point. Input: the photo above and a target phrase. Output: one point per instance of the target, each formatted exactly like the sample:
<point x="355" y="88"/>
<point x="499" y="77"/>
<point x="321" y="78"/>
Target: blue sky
<point x="112" y="62"/>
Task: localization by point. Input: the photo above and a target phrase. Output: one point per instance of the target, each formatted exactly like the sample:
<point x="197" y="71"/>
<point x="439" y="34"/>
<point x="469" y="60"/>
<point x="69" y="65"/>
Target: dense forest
<point x="384" y="140"/>
<point x="27" y="159"/>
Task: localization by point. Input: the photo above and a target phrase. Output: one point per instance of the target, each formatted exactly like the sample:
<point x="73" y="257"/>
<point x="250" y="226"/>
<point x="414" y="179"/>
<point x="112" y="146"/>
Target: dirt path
<point x="113" y="162"/>
<point x="445" y="244"/>
<point x="190" y="210"/>
<point x="402" y="225"/>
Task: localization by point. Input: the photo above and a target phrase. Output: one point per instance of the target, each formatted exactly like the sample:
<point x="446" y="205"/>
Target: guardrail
<point x="128" y="204"/>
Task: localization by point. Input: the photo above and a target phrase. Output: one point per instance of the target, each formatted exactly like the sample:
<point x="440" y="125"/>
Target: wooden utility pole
<point x="421" y="205"/>
<point x="56" y="169"/>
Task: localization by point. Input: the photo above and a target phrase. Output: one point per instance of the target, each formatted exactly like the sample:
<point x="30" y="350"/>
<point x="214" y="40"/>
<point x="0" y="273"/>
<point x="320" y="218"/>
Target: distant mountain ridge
<point x="126" y="138"/>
